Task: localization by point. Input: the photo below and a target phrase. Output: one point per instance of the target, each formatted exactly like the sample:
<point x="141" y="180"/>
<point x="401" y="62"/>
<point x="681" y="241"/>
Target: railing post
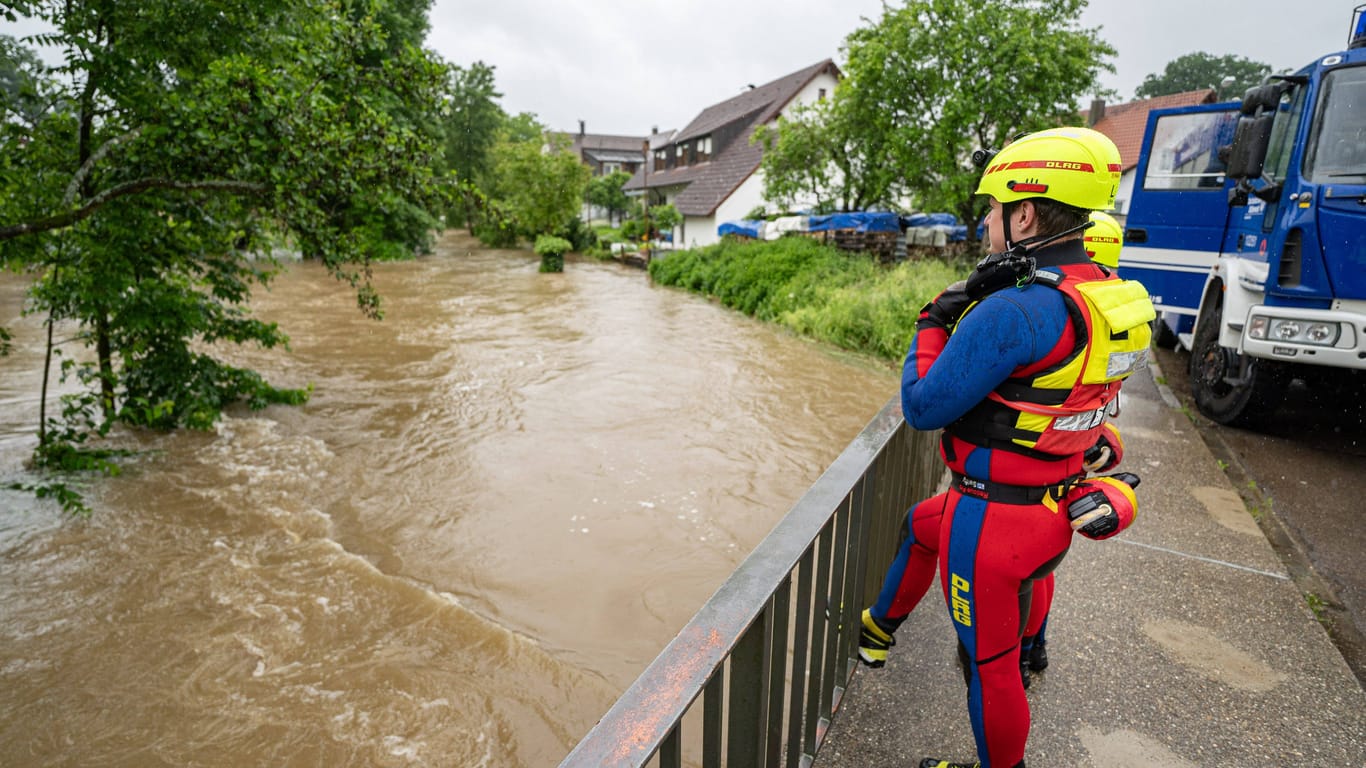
<point x="745" y="708"/>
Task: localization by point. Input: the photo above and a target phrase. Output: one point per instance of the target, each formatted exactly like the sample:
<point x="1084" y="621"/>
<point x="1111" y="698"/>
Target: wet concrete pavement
<point x="1183" y="642"/>
<point x="1304" y="471"/>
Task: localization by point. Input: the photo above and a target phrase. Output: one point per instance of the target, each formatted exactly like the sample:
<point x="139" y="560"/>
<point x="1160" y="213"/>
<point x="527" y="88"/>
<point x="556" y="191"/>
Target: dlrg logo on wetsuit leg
<point x="959" y="589"/>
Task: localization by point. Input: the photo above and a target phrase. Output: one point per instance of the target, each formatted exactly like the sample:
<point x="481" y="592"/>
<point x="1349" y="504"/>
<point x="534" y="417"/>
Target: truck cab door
<point x="1177" y="219"/>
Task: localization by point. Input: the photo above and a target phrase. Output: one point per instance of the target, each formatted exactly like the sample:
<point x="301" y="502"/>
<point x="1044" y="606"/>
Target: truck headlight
<point x="1315" y="333"/>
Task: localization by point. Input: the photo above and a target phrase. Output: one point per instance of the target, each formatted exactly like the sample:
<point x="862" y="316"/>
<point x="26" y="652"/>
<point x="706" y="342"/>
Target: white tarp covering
<point x="781" y="226"/>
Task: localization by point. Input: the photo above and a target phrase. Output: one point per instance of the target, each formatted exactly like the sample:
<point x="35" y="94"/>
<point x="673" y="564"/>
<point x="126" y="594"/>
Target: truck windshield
<point x="1338" y="149"/>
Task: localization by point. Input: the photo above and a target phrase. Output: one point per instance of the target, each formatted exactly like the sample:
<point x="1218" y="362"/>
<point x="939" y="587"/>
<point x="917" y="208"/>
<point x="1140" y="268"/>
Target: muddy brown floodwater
<point x="500" y="503"/>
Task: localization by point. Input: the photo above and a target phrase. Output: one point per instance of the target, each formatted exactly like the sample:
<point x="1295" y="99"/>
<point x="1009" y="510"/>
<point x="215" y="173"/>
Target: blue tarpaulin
<point x="746" y="227"/>
<point x="861" y="222"/>
<point x="930" y="220"/>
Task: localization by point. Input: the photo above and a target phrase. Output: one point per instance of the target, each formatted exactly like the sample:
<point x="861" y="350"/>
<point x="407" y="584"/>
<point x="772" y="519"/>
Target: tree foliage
<point x="179" y="148"/>
<point x="831" y="155"/>
<point x="950" y="76"/>
<point x="1196" y="71"/>
<point x="606" y="192"/>
<point x="931" y="81"/>
<point x="539" y="188"/>
<point x="473" y="122"/>
<point x="798" y="159"/>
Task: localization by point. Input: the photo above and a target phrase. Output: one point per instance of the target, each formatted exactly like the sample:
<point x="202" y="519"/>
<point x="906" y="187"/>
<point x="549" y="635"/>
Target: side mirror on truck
<point x="1246" y="157"/>
<point x="1251" y="138"/>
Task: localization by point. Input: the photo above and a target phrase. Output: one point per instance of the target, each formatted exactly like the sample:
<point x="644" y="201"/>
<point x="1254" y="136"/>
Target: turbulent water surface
<point x="500" y="503"/>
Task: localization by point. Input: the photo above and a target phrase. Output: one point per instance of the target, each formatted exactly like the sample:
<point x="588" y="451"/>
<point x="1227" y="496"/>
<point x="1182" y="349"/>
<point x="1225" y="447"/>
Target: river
<point x="500" y="503"/>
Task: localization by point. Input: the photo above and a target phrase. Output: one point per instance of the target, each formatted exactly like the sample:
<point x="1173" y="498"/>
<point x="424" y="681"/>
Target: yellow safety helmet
<point x="1079" y="167"/>
<point x="1103" y="239"/>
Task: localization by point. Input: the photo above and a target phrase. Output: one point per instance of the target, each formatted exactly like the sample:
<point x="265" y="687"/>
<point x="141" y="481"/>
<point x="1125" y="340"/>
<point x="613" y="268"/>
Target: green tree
<point x="798" y="158"/>
<point x="540" y="189"/>
<point x="832" y="155"/>
<point x="523" y="126"/>
<point x="664" y="216"/>
<point x="473" y="122"/>
<point x="185" y="145"/>
<point x="1196" y="71"/>
<point x="606" y="192"/>
<point x="933" y="80"/>
<point x="23" y="82"/>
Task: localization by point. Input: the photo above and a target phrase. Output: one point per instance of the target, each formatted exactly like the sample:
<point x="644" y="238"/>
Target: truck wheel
<point x="1214" y="373"/>
<point x="1163" y="336"/>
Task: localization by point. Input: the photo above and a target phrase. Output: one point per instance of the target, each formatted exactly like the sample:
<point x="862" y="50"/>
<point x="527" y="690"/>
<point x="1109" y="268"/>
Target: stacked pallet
<point x="881" y="245"/>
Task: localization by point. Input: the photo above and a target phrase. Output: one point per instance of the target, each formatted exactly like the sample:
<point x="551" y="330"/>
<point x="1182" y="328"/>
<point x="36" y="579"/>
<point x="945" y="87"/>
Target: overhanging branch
<point x="67" y="218"/>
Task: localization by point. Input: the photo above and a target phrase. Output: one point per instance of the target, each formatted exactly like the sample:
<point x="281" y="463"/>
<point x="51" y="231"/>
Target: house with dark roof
<point x="709" y="170"/>
<point x="1125" y="123"/>
<point x="604" y="153"/>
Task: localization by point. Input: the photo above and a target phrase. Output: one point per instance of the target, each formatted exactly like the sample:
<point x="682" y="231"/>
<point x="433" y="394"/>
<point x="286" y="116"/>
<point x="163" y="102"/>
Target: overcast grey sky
<point x="624" y="67"/>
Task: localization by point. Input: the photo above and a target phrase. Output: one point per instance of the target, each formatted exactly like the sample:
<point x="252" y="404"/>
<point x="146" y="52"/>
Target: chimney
<point x="654" y="129"/>
<point x="581" y="129"/>
<point x="1097" y="112"/>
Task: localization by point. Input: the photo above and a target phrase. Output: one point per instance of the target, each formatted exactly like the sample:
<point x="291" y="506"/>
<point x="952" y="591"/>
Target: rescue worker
<point x="1103" y="241"/>
<point x="1018" y="366"/>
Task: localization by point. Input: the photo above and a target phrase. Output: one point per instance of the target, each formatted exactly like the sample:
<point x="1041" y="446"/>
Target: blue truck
<point x="1247" y="225"/>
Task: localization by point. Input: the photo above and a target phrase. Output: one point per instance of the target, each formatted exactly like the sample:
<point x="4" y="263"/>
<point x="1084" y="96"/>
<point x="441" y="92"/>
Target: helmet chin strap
<point x="1031" y="244"/>
<point x="1013" y="266"/>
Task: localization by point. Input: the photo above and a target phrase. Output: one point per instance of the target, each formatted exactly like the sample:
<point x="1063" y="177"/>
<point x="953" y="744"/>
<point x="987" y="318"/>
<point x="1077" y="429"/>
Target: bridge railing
<point x="770" y="654"/>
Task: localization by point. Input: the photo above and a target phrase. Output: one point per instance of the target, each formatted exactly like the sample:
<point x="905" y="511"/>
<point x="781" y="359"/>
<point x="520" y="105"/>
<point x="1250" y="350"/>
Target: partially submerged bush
<point x="552" y="249"/>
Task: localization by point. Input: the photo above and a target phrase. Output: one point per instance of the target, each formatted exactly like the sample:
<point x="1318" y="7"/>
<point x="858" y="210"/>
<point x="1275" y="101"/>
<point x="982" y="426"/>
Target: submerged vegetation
<point x="815" y="290"/>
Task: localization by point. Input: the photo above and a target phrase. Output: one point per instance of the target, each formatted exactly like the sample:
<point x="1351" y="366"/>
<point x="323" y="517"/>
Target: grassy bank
<point x="815" y="290"/>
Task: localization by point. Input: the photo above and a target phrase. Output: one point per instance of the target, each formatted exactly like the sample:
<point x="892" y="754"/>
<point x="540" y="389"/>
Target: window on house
<point x="704" y="149"/>
<point x="680" y="154"/>
<point x="820" y="95"/>
<point x="661" y="159"/>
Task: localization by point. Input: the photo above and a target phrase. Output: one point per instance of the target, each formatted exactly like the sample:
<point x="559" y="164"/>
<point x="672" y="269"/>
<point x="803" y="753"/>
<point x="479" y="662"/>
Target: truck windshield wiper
<point x="1361" y="172"/>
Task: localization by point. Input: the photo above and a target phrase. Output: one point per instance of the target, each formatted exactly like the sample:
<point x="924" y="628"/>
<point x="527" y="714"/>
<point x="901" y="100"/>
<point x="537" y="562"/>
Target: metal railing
<point x="771" y="652"/>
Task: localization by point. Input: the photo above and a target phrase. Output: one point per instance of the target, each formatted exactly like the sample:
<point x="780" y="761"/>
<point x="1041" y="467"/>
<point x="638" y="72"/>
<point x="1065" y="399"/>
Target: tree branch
<point x="74" y="188"/>
<point x="67" y="218"/>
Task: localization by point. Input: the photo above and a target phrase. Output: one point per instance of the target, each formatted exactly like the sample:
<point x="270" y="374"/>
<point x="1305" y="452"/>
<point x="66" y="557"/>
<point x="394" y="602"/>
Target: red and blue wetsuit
<point x="992" y="534"/>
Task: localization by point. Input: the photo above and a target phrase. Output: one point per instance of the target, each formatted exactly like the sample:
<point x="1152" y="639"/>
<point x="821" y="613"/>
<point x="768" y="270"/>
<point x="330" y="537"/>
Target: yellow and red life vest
<point x="1057" y="407"/>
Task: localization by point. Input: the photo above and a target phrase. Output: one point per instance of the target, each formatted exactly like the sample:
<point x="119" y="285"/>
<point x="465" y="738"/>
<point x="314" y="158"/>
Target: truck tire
<point x="1163" y="336"/>
<point x="1244" y="404"/>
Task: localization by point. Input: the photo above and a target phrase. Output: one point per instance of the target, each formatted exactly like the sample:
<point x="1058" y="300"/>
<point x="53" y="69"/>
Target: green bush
<point x="581" y="237"/>
<point x="552" y="249"/>
<point x="814" y="289"/>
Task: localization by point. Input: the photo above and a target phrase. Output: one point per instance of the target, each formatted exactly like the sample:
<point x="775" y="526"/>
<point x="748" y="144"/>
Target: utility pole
<point x="645" y="199"/>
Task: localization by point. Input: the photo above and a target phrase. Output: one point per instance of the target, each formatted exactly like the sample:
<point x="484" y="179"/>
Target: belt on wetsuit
<point x="1005" y="493"/>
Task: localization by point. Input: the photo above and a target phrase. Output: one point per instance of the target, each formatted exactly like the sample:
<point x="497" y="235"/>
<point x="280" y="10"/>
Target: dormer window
<point x="703" y="149"/>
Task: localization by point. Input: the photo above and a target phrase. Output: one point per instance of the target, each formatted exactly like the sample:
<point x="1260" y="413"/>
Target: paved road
<point x="1307" y="467"/>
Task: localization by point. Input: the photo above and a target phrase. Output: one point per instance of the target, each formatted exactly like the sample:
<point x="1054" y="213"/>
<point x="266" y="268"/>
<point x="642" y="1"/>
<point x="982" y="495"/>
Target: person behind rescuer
<point x="1019" y="365"/>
